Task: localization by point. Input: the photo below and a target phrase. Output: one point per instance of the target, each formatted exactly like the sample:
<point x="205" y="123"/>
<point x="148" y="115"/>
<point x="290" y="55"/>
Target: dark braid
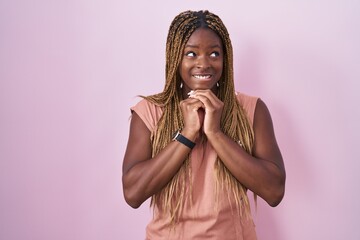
<point x="234" y="122"/>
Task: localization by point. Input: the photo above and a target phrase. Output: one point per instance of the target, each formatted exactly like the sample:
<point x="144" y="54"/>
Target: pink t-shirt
<point x="200" y="220"/>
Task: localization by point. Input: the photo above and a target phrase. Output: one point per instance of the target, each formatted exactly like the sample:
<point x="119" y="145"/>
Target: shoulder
<point x="245" y="99"/>
<point x="248" y="103"/>
<point x="149" y="112"/>
<point x="143" y="104"/>
<point x="262" y="113"/>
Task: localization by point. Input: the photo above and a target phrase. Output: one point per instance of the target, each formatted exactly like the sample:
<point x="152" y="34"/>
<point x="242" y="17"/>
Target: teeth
<point x="202" y="76"/>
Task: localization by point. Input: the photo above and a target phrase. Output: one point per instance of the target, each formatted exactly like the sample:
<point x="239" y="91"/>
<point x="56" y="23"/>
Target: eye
<point x="190" y="54"/>
<point x="214" y="54"/>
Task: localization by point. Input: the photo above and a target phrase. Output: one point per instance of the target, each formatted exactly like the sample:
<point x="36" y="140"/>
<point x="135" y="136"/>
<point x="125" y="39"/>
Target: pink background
<point x="70" y="70"/>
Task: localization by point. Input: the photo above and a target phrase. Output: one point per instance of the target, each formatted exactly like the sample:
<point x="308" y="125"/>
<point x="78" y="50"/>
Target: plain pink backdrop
<point x="70" y="70"/>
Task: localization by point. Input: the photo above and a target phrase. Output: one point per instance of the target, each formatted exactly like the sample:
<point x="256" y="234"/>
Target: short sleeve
<point x="148" y="112"/>
<point x="249" y="104"/>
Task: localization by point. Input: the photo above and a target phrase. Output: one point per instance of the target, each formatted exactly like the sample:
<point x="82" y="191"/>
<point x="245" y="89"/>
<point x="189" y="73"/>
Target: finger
<point x="208" y="99"/>
<point x="206" y="93"/>
<point x="191" y="104"/>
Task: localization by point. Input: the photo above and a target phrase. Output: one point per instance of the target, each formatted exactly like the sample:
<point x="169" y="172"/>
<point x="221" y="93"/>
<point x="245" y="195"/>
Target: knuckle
<point x="182" y="103"/>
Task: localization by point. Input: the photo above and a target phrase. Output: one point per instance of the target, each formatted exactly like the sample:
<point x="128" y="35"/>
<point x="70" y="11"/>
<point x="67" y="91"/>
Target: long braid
<point x="234" y="122"/>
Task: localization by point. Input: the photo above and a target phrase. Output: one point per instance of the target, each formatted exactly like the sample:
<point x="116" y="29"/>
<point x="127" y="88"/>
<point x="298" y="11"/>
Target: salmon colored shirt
<point x="200" y="220"/>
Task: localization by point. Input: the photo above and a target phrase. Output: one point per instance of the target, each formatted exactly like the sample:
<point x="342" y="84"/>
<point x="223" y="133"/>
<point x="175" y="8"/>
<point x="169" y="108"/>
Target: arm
<point x="144" y="176"/>
<point x="264" y="172"/>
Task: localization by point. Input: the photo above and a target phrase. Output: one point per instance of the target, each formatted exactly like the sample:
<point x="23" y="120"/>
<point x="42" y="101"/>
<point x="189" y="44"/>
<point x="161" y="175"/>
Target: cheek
<point x="184" y="68"/>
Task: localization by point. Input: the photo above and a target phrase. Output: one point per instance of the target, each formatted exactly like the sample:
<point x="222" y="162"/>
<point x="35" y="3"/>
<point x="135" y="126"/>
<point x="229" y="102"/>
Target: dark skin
<point x="201" y="68"/>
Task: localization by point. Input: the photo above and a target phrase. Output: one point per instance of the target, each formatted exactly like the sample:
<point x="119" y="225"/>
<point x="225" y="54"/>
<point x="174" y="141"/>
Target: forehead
<point x="204" y="37"/>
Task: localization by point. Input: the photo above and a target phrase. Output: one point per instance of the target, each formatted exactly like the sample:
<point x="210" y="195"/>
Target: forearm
<point x="148" y="177"/>
<point x="262" y="176"/>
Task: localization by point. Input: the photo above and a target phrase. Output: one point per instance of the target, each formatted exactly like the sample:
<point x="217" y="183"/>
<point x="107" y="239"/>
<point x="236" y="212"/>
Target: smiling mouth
<point x="202" y="76"/>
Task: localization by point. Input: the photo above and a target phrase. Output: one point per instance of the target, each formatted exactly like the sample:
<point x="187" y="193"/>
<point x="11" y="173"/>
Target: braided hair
<point x="234" y="122"/>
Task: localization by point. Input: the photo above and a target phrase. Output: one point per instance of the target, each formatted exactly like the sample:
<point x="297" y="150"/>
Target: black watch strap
<point x="180" y="138"/>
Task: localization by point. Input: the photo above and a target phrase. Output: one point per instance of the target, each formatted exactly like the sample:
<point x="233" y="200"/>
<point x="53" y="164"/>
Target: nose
<point x="203" y="62"/>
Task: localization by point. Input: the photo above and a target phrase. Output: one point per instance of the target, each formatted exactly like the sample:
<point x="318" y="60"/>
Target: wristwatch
<point x="180" y="138"/>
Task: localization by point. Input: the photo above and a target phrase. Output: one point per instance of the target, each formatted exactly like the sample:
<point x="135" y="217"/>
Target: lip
<point x="202" y="76"/>
<point x="203" y="73"/>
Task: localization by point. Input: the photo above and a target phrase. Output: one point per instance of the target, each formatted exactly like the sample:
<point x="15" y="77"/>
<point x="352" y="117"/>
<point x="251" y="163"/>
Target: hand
<point x="193" y="113"/>
<point x="213" y="109"/>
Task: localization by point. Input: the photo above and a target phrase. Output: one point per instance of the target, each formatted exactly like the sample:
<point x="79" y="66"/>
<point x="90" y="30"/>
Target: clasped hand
<point x="202" y="111"/>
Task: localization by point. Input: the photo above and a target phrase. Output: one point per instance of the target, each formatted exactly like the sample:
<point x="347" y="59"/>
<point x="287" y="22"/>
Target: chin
<point x="203" y="87"/>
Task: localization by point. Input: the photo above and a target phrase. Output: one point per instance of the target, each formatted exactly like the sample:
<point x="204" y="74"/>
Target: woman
<point x="198" y="146"/>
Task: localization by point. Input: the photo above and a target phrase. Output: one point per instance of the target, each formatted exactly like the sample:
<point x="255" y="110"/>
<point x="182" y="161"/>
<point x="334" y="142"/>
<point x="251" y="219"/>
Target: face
<point x="202" y="62"/>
